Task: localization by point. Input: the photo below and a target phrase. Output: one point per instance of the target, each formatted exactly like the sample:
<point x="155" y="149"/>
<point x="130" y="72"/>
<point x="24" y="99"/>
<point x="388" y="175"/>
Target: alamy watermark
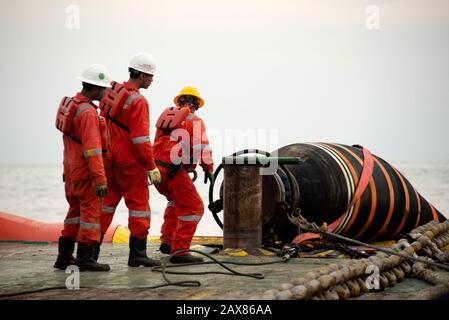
<point x="193" y="149"/>
<point x="72" y="282"/>
<point x="372" y="282"/>
<point x="372" y="21"/>
<point x="72" y="20"/>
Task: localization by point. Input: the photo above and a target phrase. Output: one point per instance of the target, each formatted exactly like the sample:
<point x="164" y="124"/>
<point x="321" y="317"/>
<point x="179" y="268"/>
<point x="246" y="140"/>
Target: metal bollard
<point x="242" y="203"/>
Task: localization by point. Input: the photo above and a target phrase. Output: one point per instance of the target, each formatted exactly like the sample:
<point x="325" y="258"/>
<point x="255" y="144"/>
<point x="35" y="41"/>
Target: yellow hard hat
<point x="192" y="91"/>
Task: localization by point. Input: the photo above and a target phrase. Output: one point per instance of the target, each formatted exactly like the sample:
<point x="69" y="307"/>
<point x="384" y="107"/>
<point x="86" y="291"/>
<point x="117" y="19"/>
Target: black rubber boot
<point x="85" y="259"/>
<point x="186" y="258"/>
<point x="165" y="248"/>
<point x="97" y="248"/>
<point x="65" y="258"/>
<point x="138" y="254"/>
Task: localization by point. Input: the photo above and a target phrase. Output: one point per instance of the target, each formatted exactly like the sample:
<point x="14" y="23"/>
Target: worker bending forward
<point x="176" y="152"/>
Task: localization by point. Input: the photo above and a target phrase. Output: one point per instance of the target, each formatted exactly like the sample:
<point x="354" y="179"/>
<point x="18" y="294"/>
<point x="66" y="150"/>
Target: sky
<point x="272" y="73"/>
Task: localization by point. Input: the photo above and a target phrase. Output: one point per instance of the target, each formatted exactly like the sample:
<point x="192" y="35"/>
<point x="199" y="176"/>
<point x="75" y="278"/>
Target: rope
<point x="232" y="272"/>
<point x="163" y="269"/>
<point x="13" y="294"/>
<point x="302" y="222"/>
<point x="349" y="279"/>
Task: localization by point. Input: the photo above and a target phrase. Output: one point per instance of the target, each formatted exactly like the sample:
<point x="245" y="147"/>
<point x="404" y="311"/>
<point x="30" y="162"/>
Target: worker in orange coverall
<point x="131" y="164"/>
<point x="84" y="175"/>
<point x="185" y="206"/>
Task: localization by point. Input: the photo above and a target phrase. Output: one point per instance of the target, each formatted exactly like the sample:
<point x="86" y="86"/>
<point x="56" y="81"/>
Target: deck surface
<point x="27" y="267"/>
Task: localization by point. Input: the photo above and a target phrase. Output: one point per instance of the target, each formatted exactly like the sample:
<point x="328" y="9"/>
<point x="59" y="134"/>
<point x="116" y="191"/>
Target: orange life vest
<point x="114" y="99"/>
<point x="172" y="118"/>
<point x="65" y="115"/>
<point x="67" y="112"/>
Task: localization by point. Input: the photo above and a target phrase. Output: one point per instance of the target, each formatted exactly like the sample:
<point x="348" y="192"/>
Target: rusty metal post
<point x="242" y="227"/>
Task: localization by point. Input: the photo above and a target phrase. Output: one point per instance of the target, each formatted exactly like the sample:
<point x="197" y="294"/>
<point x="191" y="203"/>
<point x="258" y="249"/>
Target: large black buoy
<point x="322" y="185"/>
<point x="326" y="180"/>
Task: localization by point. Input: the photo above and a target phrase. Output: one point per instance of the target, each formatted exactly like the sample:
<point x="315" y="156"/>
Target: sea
<point x="37" y="192"/>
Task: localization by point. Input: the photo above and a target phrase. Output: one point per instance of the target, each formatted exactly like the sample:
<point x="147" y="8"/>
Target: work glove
<point x="208" y="176"/>
<point x="101" y="191"/>
<point x="154" y="176"/>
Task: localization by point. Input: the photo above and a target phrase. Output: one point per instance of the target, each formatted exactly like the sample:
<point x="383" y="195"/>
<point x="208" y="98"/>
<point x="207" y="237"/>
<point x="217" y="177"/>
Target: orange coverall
<point x="129" y="160"/>
<point x="185" y="206"/>
<point x="83" y="170"/>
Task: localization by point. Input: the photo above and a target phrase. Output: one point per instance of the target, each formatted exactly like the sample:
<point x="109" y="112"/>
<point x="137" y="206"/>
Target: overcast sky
<point x="285" y="71"/>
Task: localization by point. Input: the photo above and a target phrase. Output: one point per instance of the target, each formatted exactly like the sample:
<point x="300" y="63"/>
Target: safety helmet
<point x="95" y="74"/>
<point x="143" y="62"/>
<point x="192" y="91"/>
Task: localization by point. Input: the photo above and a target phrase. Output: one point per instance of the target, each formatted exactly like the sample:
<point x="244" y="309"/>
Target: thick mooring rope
<point x="302" y="223"/>
<point x="349" y="279"/>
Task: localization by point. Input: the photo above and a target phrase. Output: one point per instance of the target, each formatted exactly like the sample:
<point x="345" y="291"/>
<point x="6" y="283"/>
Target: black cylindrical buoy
<point x="326" y="180"/>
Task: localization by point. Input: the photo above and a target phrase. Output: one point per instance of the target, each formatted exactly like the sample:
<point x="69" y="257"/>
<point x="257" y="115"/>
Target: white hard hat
<point x="95" y="74"/>
<point x="143" y="62"/>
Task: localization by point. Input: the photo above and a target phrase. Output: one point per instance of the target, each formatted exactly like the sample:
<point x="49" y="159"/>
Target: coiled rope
<point x="349" y="279"/>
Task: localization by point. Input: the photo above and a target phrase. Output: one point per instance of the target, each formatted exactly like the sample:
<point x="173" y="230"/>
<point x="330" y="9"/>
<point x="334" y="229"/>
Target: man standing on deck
<point x="185" y="207"/>
<point x="131" y="163"/>
<point x="84" y="176"/>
